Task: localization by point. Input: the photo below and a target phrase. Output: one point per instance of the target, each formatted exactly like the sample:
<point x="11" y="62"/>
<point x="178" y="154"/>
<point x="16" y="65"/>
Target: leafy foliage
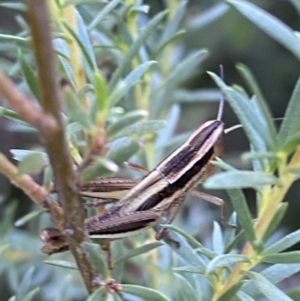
<point x="133" y="66"/>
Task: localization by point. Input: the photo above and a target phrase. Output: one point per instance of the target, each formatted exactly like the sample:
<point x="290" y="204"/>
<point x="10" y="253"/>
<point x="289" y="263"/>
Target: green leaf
<point x="268" y="288"/>
<point x="25" y="284"/>
<point x="99" y="167"/>
<point x="217" y="239"/>
<point x="76" y="112"/>
<point x="29" y="76"/>
<point x="97" y="295"/>
<point x="31" y="164"/>
<point x="225" y="261"/>
<point x="199" y="248"/>
<point x="243" y="297"/>
<point x="190" y="269"/>
<point x="101" y="93"/>
<point x="239" y="204"/>
<point x="14" y="39"/>
<point x="130" y="80"/>
<point x="181" y="247"/>
<point x="14" y="5"/>
<point x="28" y="217"/>
<point x="287" y="257"/>
<point x="126" y="120"/>
<point x="120" y="150"/>
<point x="185" y="290"/>
<point x="140" y="128"/>
<point x="262" y="109"/>
<point x="138" y="251"/>
<point x="95" y="258"/>
<point x="296" y="3"/>
<point x="12" y="298"/>
<point x="279" y="214"/>
<point x="291" y="144"/>
<point x="270" y="25"/>
<point x="239" y="179"/>
<point x="259" y="155"/>
<point x="62" y="264"/>
<point x="291" y="124"/>
<point x="31" y="294"/>
<point x="196" y="95"/>
<point x="284" y="243"/>
<point x="133" y="50"/>
<point x="103" y="13"/>
<point x="21" y="154"/>
<point x="144" y="292"/>
<point x="255" y="128"/>
<point x="232" y="292"/>
<point x="62" y="49"/>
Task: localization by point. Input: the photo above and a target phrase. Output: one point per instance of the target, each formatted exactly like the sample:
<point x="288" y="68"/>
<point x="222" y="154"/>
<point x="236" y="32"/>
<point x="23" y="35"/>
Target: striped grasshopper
<point x="159" y="194"/>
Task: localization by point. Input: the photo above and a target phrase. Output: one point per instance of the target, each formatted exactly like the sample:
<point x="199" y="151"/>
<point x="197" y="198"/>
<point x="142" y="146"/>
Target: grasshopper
<point x="159" y="194"/>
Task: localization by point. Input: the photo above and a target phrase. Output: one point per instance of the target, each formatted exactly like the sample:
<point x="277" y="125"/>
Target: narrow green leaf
<point x="29" y="76"/>
<point x="259" y="155"/>
<point x="171" y="40"/>
<point x="133" y="50"/>
<point x="21" y="154"/>
<point x="296" y="3"/>
<point x="140" y="128"/>
<point x="86" y="52"/>
<point x="101" y="93"/>
<point x="63" y="54"/>
<point x="130" y="80"/>
<point x="95" y="258"/>
<point x="121" y="150"/>
<point x="12" y="298"/>
<point x="31" y="164"/>
<point x="62" y="264"/>
<point x="138" y="251"/>
<point x="287" y="257"/>
<point x="239" y="204"/>
<point x="244" y="297"/>
<point x="284" y="243"/>
<point x="197" y="95"/>
<point x="182" y="248"/>
<point x="255" y="129"/>
<point x="3" y="249"/>
<point x="28" y="217"/>
<point x="31" y="294"/>
<point x="144" y="292"/>
<point x="126" y="120"/>
<point x="97" y="295"/>
<point x="14" y="39"/>
<point x="262" y="110"/>
<point x="99" y="167"/>
<point x="270" y="25"/>
<point x="103" y="13"/>
<point x="25" y="284"/>
<point x="172" y="26"/>
<point x="14" y="5"/>
<point x="267" y="288"/>
<point x="225" y="261"/>
<point x="230" y="232"/>
<point x="185" y="290"/>
<point x="291" y="123"/>
<point x="76" y="112"/>
<point x="199" y="248"/>
<point x="190" y="269"/>
<point x="291" y="144"/>
<point x="273" y="226"/>
<point x="217" y="239"/>
<point x="239" y="179"/>
<point x="232" y="292"/>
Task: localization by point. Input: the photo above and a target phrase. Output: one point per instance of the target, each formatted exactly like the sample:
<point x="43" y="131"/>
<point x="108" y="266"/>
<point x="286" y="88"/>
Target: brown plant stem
<point x="36" y="192"/>
<point x="54" y="138"/>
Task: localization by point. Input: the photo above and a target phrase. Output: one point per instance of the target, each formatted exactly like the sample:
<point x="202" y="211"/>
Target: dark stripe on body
<point x="179" y="184"/>
<point x="184" y="157"/>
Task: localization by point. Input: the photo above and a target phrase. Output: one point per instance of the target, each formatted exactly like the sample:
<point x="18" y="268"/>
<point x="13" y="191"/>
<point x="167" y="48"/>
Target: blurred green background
<point x="230" y="39"/>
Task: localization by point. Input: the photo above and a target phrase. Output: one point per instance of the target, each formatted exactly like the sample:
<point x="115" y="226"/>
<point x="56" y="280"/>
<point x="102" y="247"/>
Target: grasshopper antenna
<point x="221" y="104"/>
